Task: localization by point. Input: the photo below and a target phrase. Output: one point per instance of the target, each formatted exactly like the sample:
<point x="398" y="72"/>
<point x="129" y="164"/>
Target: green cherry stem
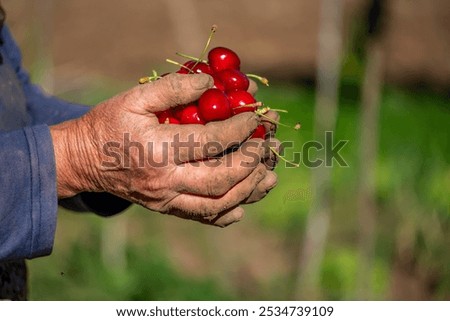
<point x="281" y="157"/>
<point x="151" y="78"/>
<point x="189" y="57"/>
<point x="145" y="80"/>
<point x="259" y="113"/>
<point x="263" y="80"/>
<point x="253" y="105"/>
<point x="176" y="63"/>
<point x="267" y="108"/>
<point x="211" y="34"/>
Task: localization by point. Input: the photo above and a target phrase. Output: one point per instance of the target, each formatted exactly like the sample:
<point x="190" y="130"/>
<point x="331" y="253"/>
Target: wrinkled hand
<point x="119" y="147"/>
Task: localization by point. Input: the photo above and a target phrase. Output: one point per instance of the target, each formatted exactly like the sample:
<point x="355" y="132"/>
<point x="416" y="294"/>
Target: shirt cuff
<point x="44" y="199"/>
<point x="28" y="198"/>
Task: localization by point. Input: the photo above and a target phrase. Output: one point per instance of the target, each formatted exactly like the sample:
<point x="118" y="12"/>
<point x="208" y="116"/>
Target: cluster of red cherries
<point x="228" y="97"/>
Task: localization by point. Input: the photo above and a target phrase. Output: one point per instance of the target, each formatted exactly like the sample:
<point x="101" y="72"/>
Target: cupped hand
<point x="119" y="147"/>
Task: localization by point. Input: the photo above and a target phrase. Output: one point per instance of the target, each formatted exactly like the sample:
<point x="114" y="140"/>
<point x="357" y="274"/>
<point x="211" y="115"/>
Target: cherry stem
<point x="262" y="114"/>
<point x="173" y="62"/>
<point x="253" y="105"/>
<point x="144" y="80"/>
<point x="263" y="80"/>
<point x="151" y="78"/>
<point x="211" y="34"/>
<point x="267" y="108"/>
<point x="189" y="57"/>
<point x="281" y="157"/>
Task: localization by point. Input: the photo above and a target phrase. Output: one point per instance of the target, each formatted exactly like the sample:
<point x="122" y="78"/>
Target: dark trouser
<point x="13" y="280"/>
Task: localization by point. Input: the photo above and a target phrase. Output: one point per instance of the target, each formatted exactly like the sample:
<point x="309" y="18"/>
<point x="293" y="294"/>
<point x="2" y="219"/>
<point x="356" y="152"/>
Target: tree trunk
<point x="328" y="74"/>
<point x="368" y="148"/>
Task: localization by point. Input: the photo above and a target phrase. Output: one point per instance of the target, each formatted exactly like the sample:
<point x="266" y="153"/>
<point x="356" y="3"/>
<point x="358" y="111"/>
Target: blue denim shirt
<point x="28" y="197"/>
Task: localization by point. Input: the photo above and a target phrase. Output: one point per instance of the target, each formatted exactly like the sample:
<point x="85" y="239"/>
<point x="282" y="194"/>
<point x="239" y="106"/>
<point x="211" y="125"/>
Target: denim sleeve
<point x="28" y="196"/>
<point x="27" y="193"/>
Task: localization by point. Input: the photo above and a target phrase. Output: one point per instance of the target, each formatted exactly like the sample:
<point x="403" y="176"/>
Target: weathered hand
<point x="119" y="147"/>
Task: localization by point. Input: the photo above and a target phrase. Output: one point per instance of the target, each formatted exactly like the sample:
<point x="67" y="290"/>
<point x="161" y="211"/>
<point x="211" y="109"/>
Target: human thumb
<point x="172" y="90"/>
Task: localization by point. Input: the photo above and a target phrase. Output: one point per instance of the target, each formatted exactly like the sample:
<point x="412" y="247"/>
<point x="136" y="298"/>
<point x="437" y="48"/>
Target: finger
<point x="170" y="91"/>
<point x="197" y="142"/>
<point x="228" y="217"/>
<point x="252" y="87"/>
<point x="270" y="158"/>
<point x="270" y="127"/>
<point x="223" y="219"/>
<point x="217" y="176"/>
<point x="194" y="206"/>
<point x="261" y="190"/>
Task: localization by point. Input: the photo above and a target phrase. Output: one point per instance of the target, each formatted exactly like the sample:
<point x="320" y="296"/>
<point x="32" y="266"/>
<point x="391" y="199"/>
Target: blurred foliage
<point x="148" y="277"/>
<point x="78" y="272"/>
<point x="413" y="181"/>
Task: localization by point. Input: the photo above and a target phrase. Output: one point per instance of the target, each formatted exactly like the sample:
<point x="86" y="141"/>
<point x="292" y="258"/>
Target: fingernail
<point x="277" y="117"/>
<point x="239" y="215"/>
<point x="271" y="188"/>
<point x="266" y="148"/>
<point x="270" y="163"/>
<point x="273" y="130"/>
<point x="273" y="182"/>
<point x="268" y="189"/>
<point x="201" y="81"/>
<point x="275" y="159"/>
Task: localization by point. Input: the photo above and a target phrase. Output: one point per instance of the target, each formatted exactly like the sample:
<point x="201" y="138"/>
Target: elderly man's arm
<point x="171" y="169"/>
<point x="49" y="110"/>
<point x="121" y="148"/>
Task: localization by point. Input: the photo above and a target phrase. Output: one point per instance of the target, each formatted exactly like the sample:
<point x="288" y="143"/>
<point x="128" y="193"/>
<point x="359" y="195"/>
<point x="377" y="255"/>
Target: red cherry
<point x="218" y="83"/>
<point x="163" y="115"/>
<point x="182" y="71"/>
<point x="200" y="68"/>
<point x="233" y="79"/>
<point x="171" y="120"/>
<point x="168" y="120"/>
<point x="260" y="132"/>
<point x="203" y="68"/>
<point x="188" y="64"/>
<point x="213" y="105"/>
<point x="241" y="98"/>
<point x="176" y="112"/>
<point x="189" y="115"/>
<point x="221" y="58"/>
